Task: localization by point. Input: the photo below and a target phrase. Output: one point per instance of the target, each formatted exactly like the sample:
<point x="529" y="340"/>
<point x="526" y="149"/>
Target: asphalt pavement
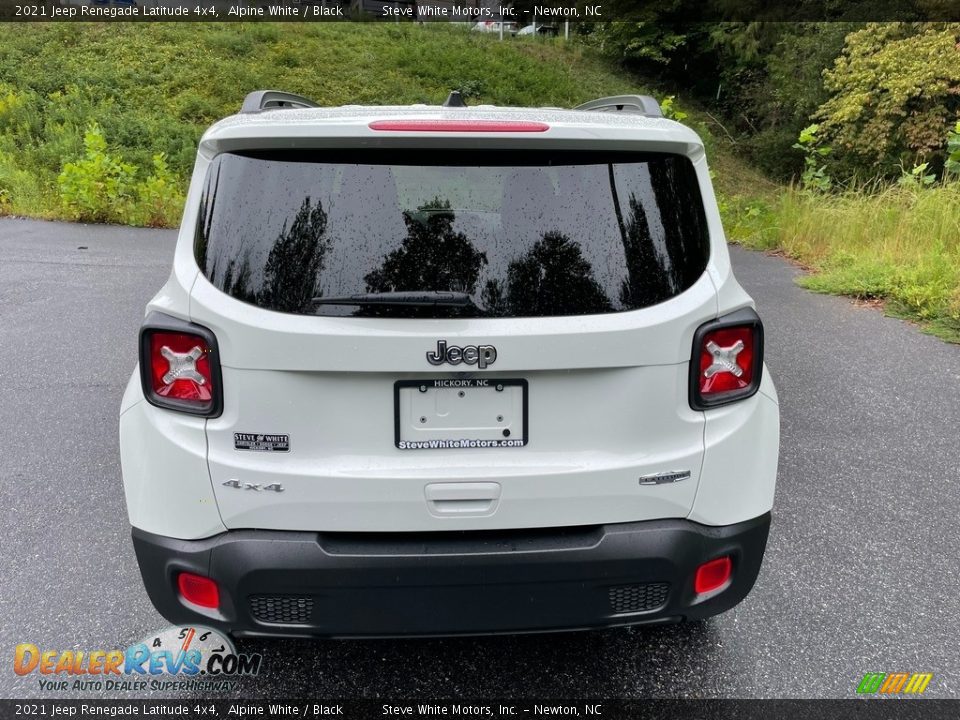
<point x="861" y="571"/>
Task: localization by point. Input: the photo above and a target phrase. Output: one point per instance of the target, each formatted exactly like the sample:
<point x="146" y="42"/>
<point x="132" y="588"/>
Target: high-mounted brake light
<point x="459" y="126"/>
<point x="179" y="366"/>
<point x="727" y="360"/>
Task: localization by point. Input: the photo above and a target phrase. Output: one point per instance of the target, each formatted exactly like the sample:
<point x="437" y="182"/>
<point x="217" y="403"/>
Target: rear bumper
<point x="449" y="583"/>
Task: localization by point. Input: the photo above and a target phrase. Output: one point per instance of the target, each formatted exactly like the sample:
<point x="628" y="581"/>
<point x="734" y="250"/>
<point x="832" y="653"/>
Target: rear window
<point x="423" y="234"/>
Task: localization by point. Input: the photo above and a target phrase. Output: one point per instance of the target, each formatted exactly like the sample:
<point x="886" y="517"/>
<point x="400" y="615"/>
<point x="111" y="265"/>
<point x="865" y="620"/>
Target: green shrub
<point x="64" y="117"/>
<point x="102" y="187"/>
<point x="469" y="89"/>
<point x="772" y="150"/>
<point x="99" y="187"/>
<point x="952" y="164"/>
<point x="917" y="176"/>
<point x="670" y="110"/>
<point x="749" y="221"/>
<point x="21" y="191"/>
<point x="159" y="200"/>
<point x="11" y="108"/>
<point x="814" y="176"/>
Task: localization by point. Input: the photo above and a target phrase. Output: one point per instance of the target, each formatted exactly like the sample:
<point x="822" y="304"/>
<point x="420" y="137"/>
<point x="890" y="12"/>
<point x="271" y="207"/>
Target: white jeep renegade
<point x="438" y="370"/>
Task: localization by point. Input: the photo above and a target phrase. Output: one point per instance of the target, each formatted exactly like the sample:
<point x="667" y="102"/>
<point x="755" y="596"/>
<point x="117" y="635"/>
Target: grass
<point x="898" y="246"/>
<point x="153" y="87"/>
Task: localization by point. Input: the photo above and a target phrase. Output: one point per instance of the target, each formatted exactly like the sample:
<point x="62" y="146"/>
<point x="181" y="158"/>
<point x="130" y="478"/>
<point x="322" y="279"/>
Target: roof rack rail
<point x="641" y="104"/>
<point x="274" y="100"/>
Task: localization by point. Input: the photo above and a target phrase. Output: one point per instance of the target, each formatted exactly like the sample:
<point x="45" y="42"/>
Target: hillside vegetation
<point x="118" y="108"/>
<point x="99" y="122"/>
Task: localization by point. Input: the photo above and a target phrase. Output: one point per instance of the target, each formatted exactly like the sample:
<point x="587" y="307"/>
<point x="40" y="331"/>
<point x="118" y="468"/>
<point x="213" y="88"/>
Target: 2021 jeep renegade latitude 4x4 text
<point x="438" y="370"/>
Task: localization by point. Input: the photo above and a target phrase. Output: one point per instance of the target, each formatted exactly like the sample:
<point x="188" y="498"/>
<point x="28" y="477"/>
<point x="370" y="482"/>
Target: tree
<point x="551" y="278"/>
<point x="295" y="261"/>
<point x="762" y="80"/>
<point x="895" y="91"/>
<point x="433" y="256"/>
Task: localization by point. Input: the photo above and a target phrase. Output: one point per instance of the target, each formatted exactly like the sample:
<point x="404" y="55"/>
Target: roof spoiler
<point x="639" y="104"/>
<point x="260" y="100"/>
<point x="274" y="100"/>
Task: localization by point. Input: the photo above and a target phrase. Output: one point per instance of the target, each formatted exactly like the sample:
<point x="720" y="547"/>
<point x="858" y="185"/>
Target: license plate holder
<point x="455" y="413"/>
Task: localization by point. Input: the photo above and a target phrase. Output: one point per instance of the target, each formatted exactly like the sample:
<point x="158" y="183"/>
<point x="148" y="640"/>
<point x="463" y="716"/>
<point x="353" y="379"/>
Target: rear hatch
<point x="431" y="340"/>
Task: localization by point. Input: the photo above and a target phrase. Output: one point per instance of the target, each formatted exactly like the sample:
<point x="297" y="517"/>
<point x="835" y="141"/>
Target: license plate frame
<point x="456" y="384"/>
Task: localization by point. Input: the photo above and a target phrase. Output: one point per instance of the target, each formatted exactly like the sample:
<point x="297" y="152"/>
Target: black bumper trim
<point x="451" y="583"/>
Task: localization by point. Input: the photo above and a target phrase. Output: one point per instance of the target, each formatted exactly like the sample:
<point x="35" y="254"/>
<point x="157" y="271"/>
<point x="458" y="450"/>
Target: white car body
<point x="608" y="393"/>
<point x="494" y="26"/>
<point x="534" y="29"/>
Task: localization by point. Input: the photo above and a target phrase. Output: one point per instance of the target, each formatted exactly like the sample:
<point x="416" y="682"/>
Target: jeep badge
<point x="479" y="355"/>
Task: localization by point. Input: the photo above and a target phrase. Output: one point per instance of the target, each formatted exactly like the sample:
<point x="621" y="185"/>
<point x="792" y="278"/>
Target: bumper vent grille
<point x="638" y="598"/>
<point x="281" y="609"/>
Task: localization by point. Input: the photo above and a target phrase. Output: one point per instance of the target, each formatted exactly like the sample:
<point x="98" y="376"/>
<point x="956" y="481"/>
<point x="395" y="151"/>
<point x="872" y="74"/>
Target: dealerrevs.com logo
<point x="176" y="658"/>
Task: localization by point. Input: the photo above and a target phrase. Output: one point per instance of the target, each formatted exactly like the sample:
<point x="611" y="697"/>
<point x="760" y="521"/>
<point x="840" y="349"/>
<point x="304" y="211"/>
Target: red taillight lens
<point x="461" y="126"/>
<point x="727" y="360"/>
<point x="712" y="575"/>
<point x="199" y="590"/>
<point x="180" y="367"/>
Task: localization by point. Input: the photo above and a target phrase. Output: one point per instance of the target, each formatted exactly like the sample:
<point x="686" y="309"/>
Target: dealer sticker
<point x="261" y="443"/>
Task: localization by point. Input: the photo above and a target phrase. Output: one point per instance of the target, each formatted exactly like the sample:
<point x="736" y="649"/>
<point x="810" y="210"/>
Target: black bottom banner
<point x="589" y="708"/>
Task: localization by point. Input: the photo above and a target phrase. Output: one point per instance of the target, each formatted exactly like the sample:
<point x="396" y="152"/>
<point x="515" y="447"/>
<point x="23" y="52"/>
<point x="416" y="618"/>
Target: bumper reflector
<point x="712" y="575"/>
<point x="199" y="590"/>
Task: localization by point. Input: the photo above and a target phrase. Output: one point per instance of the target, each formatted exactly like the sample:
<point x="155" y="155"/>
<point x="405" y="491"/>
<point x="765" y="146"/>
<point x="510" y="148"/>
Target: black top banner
<point x="521" y="12"/>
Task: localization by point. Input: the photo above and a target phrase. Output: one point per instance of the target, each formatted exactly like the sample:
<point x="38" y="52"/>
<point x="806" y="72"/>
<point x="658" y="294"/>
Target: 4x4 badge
<point x="272" y="487"/>
<point x="479" y="355"/>
<point x="670" y="476"/>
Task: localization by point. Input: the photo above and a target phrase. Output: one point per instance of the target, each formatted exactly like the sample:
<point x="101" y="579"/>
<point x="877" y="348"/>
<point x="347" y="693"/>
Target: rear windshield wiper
<point x="418" y="298"/>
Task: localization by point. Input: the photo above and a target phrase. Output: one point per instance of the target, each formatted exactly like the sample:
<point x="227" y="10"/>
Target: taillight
<point x="727" y="360"/>
<point x="179" y="366"/>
